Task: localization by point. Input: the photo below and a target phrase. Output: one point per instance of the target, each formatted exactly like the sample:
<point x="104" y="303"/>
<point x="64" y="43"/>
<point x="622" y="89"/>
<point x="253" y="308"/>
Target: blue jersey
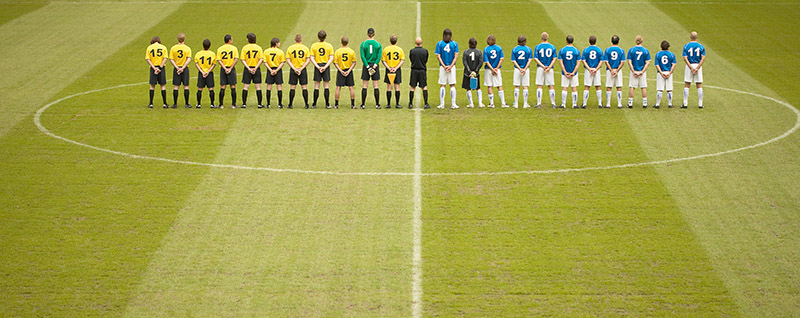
<point x="570" y="55"/>
<point x="447" y="50"/>
<point x="614" y="56"/>
<point x="492" y="54"/>
<point x="522" y="54"/>
<point x="545" y="53"/>
<point x="593" y="55"/>
<point x="665" y="60"/>
<point x="694" y="51"/>
<point x="638" y="55"/>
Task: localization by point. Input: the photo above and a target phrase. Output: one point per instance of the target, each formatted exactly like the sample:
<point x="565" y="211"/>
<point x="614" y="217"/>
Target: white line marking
<point x="416" y="267"/>
<point x="38" y="115"/>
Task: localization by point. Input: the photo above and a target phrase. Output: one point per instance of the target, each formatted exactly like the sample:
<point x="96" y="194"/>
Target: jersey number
<point x="696" y="52"/>
<point x="493" y="54"/>
<point x="321" y="51"/>
<point x="344" y="57"/>
<point x="205" y="60"/>
<point x="227" y="55"/>
<point x="614" y="56"/>
<point x="395" y="57"/>
<point x="300" y="53"/>
<point x="180" y="54"/>
<point x="472" y="55"/>
<point x="639" y="55"/>
<point x="252" y="54"/>
<point x="521" y="55"/>
<point x="568" y="55"/>
<point x="664" y="60"/>
<point x="157" y="53"/>
<point x="272" y="56"/>
<point x="592" y="55"/>
<point x="447" y="48"/>
<point x="547" y="53"/>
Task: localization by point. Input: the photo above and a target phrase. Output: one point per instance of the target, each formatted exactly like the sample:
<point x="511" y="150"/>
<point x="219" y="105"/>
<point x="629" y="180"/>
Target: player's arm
<point x="330" y="61"/>
<point x="552" y="64"/>
<point x="149" y="62"/>
<point x="308" y="60"/>
<point x="439" y="57"/>
<point x="246" y="67"/>
<point x="352" y="67"/>
<point x="380" y="53"/>
<point x="672" y="70"/>
<point x="646" y="64"/>
<point x="455" y="58"/>
<point x="702" y="60"/>
<point x="464" y="61"/>
<point x="172" y="61"/>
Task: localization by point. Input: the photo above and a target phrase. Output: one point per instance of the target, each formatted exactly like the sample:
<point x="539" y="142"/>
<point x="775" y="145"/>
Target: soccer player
<point x="592" y="61"/>
<point x="156" y="57"/>
<point x="252" y="56"/>
<point x="521" y="56"/>
<point x="322" y="55"/>
<point x="614" y="57"/>
<point x="493" y="61"/>
<point x="180" y="55"/>
<point x="665" y="64"/>
<point x="568" y="58"/>
<point x="345" y="62"/>
<point x="227" y="56"/>
<point x="419" y="72"/>
<point x="694" y="54"/>
<point x="274" y="58"/>
<point x="393" y="58"/>
<point x="205" y="61"/>
<point x="447" y="54"/>
<point x="473" y="60"/>
<point x="545" y="56"/>
<point x="371" y="52"/>
<point x="639" y="60"/>
<point x="299" y="58"/>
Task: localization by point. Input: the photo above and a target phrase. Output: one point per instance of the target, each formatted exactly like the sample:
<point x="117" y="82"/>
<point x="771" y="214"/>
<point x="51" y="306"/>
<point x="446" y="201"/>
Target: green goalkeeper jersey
<point x="371" y="52"/>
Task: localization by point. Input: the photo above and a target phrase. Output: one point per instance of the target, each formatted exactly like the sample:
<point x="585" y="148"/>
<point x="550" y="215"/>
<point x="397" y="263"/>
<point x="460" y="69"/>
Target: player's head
<point x="615" y="39"/>
<point x="322" y="35"/>
<point x="251" y="37"/>
<point x="298" y="38"/>
<point x="664" y="45"/>
<point x="592" y="40"/>
<point x="275" y="42"/>
<point x="545" y="36"/>
<point x="639" y="40"/>
<point x="206" y="44"/>
<point x="393" y="39"/>
<point x="570" y="39"/>
<point x="491" y="40"/>
<point x="418" y="41"/>
<point x="228" y="38"/>
<point x="181" y="37"/>
<point x="693" y="36"/>
<point x="370" y="33"/>
<point x="155" y="39"/>
<point x="447" y="35"/>
<point x="345" y="41"/>
<point x="473" y="43"/>
<point x="522" y="40"/>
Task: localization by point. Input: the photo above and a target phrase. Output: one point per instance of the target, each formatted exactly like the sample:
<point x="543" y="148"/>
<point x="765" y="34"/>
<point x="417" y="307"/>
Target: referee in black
<point x="419" y="72"/>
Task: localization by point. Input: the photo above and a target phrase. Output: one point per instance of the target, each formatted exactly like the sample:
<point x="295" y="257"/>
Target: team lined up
<point x="322" y="56"/>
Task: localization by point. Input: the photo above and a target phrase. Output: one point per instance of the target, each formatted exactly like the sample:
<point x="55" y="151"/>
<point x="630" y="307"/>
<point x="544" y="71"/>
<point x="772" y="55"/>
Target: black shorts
<point x="159" y="78"/>
<point x="465" y="81"/>
<point x="183" y="78"/>
<point x="254" y="78"/>
<point x="274" y="79"/>
<point x="324" y="76"/>
<point x="419" y="78"/>
<point x="227" y="79"/>
<point x="365" y="74"/>
<point x="302" y="78"/>
<point x="345" y="81"/>
<point x="205" y="81"/>
<point x="397" y="79"/>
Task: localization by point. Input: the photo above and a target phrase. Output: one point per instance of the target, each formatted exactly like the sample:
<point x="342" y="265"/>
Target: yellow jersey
<point x="251" y="53"/>
<point x="392" y="55"/>
<point x="205" y="59"/>
<point x="321" y="51"/>
<point x="226" y="54"/>
<point x="273" y="57"/>
<point x="344" y="58"/>
<point x="297" y="54"/>
<point x="180" y="53"/>
<point x="156" y="53"/>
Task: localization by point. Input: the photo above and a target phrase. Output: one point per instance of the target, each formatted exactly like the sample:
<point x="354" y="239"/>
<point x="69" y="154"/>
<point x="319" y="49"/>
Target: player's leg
<point x="245" y="91"/>
<point x="574" y="93"/>
<point x="152" y="94"/>
<point x="389" y="90"/>
<point x="351" y="86"/>
<point x="327" y="93"/>
<point x="317" y="81"/>
<point x="175" y="95"/>
<point x="397" y="95"/>
<point x="365" y="82"/>
<point x="643" y="86"/>
<point x="699" y="95"/>
<point x="268" y="92"/>
<point x="564" y="87"/>
<point x="425" y="96"/>
<point x="480" y="93"/>
<point x="259" y="97"/>
<point x="631" y="87"/>
<point x="223" y="85"/>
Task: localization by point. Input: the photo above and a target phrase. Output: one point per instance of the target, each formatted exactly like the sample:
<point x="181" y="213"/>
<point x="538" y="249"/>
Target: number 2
<point x="521" y="55"/>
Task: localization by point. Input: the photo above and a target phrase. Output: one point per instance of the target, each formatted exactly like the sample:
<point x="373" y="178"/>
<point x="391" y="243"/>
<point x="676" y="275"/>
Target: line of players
<point x="371" y="52"/>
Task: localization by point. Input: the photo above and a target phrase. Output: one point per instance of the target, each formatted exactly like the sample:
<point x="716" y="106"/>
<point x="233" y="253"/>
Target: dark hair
<point x="227" y="38"/>
<point x="206" y="44"/>
<point x="490" y="40"/>
<point x="393" y="39"/>
<point x="251" y="38"/>
<point x="664" y="45"/>
<point x="298" y="38"/>
<point x="155" y="39"/>
<point x="370" y="32"/>
<point x="570" y="39"/>
<point x="473" y="43"/>
<point x="274" y="42"/>
<point x="345" y="40"/>
<point x="615" y="40"/>
<point x="522" y="40"/>
<point x="321" y="35"/>
<point x="592" y="40"/>
<point x="447" y="35"/>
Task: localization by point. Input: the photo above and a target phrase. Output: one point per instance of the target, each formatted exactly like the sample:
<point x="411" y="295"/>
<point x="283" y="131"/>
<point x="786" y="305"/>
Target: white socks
<point x="525" y="95"/>
<point x="658" y="98"/>
<point x="700" y="97"/>
<point x="644" y="101"/>
<point x="538" y="96"/>
<point x="586" y="97"/>
<point x="516" y="96"/>
<point x="491" y="99"/>
<point x="685" y="97"/>
<point x="574" y="99"/>
<point x="469" y="96"/>
<point x="600" y="97"/>
<point x="619" y="98"/>
<point x="630" y="101"/>
<point x="441" y="96"/>
<point x="502" y="96"/>
<point x="563" y="98"/>
<point x="608" y="99"/>
<point x="480" y="98"/>
<point x="553" y="96"/>
<point x="669" y="98"/>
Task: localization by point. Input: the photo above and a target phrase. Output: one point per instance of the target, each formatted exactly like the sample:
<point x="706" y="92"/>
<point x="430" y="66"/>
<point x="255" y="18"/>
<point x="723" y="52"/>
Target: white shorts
<point x="640" y="82"/>
<point x="613" y="81"/>
<point x="446" y="78"/>
<point x="688" y="77"/>
<point x="543" y="78"/>
<point x="591" y="80"/>
<point x="522" y="80"/>
<point x="663" y="84"/>
<point x="569" y="82"/>
<point x="490" y="80"/>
